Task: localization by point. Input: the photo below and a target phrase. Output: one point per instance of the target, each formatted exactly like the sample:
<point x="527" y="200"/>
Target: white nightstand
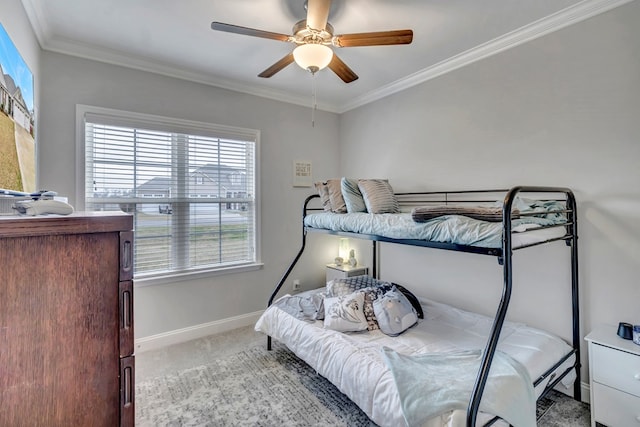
<point x="614" y="371"/>
<point x="344" y="271"/>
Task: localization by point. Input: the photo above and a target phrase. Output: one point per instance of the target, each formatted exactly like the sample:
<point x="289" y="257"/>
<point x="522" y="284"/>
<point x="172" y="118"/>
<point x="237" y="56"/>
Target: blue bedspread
<point x="445" y="229"/>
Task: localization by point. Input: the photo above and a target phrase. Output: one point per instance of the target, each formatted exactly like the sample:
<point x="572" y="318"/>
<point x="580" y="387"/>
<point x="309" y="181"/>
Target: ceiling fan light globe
<point x="313" y="56"/>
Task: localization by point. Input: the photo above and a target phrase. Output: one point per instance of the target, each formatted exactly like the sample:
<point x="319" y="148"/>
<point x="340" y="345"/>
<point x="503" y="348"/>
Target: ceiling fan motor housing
<point x="303" y="34"/>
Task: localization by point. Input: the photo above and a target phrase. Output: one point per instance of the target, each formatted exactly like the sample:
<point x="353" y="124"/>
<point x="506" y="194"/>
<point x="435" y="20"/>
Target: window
<point x="190" y="186"/>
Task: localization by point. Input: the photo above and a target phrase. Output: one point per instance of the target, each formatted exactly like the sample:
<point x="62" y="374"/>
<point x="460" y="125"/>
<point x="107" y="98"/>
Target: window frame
<point x="133" y="119"/>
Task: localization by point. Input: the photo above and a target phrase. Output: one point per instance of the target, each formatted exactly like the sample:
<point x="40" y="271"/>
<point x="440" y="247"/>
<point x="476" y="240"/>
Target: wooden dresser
<point x="66" y="320"/>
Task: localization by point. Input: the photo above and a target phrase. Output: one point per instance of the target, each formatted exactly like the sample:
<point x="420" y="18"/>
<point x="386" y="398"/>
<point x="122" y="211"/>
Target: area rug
<point x="250" y="388"/>
<point x="258" y="388"/>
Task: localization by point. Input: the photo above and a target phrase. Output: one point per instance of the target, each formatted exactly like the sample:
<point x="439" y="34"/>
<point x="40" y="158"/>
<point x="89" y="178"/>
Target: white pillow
<point x="345" y="313"/>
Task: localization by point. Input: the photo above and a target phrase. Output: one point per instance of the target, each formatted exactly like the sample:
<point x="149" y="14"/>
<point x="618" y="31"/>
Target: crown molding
<point x="564" y="18"/>
<point x="40" y="26"/>
<point x="113" y="57"/>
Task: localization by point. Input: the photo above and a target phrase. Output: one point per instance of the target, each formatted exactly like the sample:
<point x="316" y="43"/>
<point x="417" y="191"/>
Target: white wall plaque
<point x="302" y="173"/>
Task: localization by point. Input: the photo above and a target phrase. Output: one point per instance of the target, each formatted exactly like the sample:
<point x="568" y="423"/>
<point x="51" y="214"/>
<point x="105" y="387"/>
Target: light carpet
<point x="255" y="387"/>
<point x="251" y="388"/>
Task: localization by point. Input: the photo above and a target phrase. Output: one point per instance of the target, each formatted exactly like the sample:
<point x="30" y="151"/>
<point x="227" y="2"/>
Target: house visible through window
<point x="190" y="186"/>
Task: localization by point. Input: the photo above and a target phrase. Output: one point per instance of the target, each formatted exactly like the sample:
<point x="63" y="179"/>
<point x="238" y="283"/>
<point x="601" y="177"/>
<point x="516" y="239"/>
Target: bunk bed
<point x="516" y="229"/>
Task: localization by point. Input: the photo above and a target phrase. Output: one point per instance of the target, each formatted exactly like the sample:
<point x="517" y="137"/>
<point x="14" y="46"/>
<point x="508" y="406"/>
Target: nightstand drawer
<point x="616" y="369"/>
<point x="615" y="408"/>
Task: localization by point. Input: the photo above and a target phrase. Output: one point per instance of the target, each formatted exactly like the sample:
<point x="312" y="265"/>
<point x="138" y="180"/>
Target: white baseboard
<point x="155" y="342"/>
<point x="586" y="392"/>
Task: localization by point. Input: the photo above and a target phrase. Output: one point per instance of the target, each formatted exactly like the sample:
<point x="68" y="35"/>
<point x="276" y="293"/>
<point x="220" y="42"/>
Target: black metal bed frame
<point x="504" y="256"/>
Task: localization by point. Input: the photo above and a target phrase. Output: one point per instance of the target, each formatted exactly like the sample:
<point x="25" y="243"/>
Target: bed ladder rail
<point x="507" y="253"/>
<point x="295" y="260"/>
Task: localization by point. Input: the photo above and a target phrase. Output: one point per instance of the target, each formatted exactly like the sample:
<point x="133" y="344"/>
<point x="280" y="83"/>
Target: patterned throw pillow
<point x="378" y="196"/>
<point x="370" y="295"/>
<point x="368" y="285"/>
<point x="345" y="313"/>
<point x="373" y="289"/>
<point x="344" y="286"/>
<point x="352" y="195"/>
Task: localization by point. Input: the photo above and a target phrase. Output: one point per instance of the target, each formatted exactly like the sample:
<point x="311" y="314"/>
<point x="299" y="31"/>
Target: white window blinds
<point x="190" y="186"/>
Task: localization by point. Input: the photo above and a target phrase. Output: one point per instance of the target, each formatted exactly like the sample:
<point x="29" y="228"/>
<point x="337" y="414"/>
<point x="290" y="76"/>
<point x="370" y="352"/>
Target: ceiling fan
<point x="314" y="36"/>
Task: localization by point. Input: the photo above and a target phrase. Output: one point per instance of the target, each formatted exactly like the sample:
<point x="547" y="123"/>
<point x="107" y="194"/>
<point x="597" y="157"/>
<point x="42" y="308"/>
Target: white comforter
<point x="354" y="362"/>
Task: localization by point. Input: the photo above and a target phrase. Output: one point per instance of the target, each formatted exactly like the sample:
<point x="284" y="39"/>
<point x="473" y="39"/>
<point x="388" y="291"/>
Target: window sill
<point x="194" y="275"/>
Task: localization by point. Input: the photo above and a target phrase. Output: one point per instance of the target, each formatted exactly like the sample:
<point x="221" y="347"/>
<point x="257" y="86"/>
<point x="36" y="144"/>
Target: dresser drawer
<point x="616" y="369"/>
<point x="615" y="408"/>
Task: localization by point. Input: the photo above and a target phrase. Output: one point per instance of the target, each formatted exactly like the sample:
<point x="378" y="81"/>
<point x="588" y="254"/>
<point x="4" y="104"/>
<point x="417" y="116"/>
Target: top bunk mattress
<point x="456" y="229"/>
<point x="354" y="361"/>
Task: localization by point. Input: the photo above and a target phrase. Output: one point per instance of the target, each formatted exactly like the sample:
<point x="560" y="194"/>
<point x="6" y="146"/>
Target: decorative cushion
<point x="394" y="313"/>
<point x="352" y="195"/>
<point x="323" y="192"/>
<point x="347" y="285"/>
<point x="370" y="295"/>
<point x="373" y="289"/>
<point x="415" y="303"/>
<point x="345" y="313"/>
<point x="378" y="196"/>
<point x="335" y="196"/>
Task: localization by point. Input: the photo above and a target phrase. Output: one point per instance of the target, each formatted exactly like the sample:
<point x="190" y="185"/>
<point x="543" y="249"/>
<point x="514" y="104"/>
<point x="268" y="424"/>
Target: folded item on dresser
<point x="483" y="213"/>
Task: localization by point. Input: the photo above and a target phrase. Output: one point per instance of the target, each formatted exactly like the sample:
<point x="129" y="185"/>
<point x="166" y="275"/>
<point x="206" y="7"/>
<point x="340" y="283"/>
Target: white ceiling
<point x="175" y="38"/>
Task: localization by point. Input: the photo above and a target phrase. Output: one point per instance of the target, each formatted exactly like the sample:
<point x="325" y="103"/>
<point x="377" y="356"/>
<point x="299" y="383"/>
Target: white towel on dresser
<point x="431" y="384"/>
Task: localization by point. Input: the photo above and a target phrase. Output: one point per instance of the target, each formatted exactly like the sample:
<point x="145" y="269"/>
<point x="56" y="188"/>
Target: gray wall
<point x="286" y="134"/>
<point x="562" y="110"/>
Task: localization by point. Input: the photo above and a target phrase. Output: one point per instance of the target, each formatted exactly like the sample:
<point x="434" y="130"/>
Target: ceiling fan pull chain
<point x="314" y="98"/>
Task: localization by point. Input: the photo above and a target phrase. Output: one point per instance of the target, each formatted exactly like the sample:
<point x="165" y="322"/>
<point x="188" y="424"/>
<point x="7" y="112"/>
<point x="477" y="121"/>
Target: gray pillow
<point x="352" y="195"/>
<point x="394" y="313"/>
<point x="378" y="196"/>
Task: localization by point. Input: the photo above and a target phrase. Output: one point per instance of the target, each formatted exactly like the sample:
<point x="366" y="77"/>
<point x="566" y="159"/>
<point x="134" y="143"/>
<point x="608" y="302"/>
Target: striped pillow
<point x="482" y="213"/>
<point x="378" y="196"/>
<point x="352" y="195"/>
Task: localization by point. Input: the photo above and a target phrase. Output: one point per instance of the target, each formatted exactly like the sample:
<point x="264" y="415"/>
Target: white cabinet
<point x="343" y="271"/>
<point x="614" y="369"/>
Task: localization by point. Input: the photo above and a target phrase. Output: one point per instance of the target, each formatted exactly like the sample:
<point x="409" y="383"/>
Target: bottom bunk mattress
<point x="356" y="363"/>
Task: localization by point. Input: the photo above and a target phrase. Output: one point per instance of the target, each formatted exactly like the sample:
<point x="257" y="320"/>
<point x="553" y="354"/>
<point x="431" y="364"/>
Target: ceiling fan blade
<point x="379" y="38"/>
<point x="342" y="70"/>
<point x="318" y="14"/>
<point x="277" y="66"/>
<point x="236" y="29"/>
